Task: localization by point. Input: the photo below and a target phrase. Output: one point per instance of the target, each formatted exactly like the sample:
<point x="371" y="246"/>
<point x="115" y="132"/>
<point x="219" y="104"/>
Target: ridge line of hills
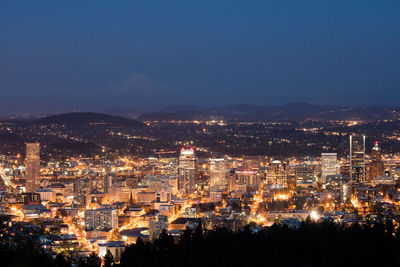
<point x="293" y="111"/>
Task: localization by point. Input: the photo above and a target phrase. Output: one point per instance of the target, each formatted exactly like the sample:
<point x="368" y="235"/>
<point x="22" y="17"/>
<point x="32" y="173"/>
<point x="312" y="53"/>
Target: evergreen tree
<point x="313" y="244"/>
<point x="92" y="261"/>
<point x="61" y="260"/>
<point x="108" y="259"/>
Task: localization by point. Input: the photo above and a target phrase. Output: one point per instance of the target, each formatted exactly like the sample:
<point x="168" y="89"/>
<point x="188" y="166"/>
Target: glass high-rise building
<point x="328" y="165"/>
<point x="277" y="173"/>
<point x="376" y="167"/>
<point x="82" y="188"/>
<point x="187" y="172"/>
<point x="32" y="163"/>
<point x="305" y="175"/>
<point x="218" y="174"/>
<point x="357" y="158"/>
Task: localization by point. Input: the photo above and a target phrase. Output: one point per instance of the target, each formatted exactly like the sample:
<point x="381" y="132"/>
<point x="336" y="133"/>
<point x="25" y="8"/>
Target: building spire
<point x="376" y="146"/>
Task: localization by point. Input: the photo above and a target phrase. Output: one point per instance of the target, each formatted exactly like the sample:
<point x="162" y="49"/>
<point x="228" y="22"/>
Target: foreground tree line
<point x="312" y="244"/>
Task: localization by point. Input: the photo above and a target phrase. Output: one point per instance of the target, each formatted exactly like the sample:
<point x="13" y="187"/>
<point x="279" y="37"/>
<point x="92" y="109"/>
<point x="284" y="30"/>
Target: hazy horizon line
<point x="141" y="110"/>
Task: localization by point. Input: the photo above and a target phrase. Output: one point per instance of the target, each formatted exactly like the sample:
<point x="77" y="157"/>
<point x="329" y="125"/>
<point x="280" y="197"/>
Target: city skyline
<point x="199" y="133"/>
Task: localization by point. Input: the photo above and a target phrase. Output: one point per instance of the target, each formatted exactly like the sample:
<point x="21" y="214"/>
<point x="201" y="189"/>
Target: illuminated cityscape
<point x="108" y="200"/>
<point x="199" y="133"/>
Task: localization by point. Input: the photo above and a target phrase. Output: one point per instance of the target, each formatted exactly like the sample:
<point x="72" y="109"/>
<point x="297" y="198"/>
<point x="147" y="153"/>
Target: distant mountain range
<point x="293" y="111"/>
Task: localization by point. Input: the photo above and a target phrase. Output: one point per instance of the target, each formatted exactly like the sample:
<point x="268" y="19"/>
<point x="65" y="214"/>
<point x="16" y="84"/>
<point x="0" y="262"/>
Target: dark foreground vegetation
<point x="322" y="244"/>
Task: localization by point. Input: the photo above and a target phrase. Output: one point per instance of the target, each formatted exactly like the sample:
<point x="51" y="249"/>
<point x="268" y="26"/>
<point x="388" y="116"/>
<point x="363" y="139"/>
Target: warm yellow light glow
<point x="281" y="197"/>
<point x="314" y="215"/>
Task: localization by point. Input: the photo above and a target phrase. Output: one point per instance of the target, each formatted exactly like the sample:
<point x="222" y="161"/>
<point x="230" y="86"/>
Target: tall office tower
<point x="232" y="180"/>
<point x="187" y="172"/>
<point x="32" y="163"/>
<point x="157" y="225"/>
<point x="305" y="175"/>
<point x="248" y="178"/>
<point x="81" y="191"/>
<point x="101" y="219"/>
<point x="292" y="182"/>
<point x="376" y="167"/>
<point x="357" y="158"/>
<point x="328" y="165"/>
<point x="277" y="173"/>
<point x="218" y="174"/>
<point x="107" y="183"/>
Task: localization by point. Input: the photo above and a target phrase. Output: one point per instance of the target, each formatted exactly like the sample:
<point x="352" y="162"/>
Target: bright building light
<point x="314" y="215"/>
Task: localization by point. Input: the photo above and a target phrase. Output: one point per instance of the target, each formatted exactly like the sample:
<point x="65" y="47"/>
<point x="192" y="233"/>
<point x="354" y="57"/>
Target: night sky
<point x="96" y="55"/>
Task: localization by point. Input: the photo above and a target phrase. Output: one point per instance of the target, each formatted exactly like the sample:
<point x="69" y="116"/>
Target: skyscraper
<point x="187" y="171"/>
<point x="107" y="183"/>
<point x="328" y="165"/>
<point x="248" y="178"/>
<point x="232" y="180"/>
<point x="32" y="163"/>
<point x="376" y="167"/>
<point x="277" y="173"/>
<point x="218" y="174"/>
<point x="81" y="191"/>
<point x="357" y="158"/>
<point x="305" y="175"/>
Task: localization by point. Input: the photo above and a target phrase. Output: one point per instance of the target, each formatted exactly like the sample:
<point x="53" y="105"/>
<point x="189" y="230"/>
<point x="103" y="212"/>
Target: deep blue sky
<point x="95" y="55"/>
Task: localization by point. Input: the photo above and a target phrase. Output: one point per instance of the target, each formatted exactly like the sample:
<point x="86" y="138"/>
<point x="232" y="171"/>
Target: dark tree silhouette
<point x="313" y="244"/>
<point x="92" y="261"/>
<point x="61" y="261"/>
<point x="108" y="259"/>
